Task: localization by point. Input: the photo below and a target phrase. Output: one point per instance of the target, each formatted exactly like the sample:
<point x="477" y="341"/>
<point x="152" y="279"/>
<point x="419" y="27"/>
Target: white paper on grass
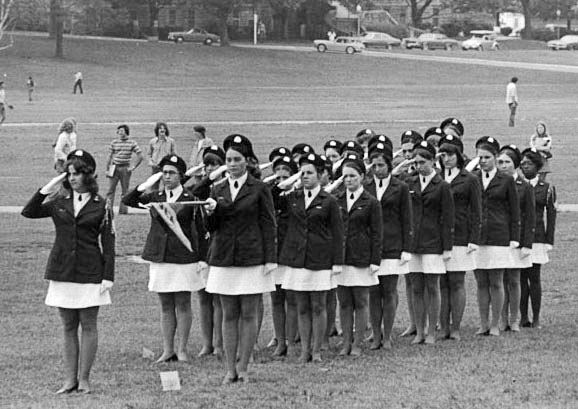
<point x="170" y="381"/>
<point x="147" y="353"/>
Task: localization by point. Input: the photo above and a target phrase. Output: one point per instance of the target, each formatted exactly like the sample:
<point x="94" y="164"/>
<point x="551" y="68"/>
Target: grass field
<point x="275" y="98"/>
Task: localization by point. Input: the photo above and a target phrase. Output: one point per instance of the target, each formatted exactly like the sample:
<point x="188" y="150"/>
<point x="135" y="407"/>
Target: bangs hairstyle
<point x="210" y="159"/>
<point x="488" y="147"/>
<point x="424" y="153"/>
<point x="158" y="126"/>
<point x="355" y="166"/>
<point x="318" y="169"/>
<point x="453" y="150"/>
<point x="89" y="178"/>
<point x="380" y="154"/>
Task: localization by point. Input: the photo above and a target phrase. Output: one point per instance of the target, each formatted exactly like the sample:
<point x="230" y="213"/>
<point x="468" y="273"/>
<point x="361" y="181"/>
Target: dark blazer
<point x="244" y="232"/>
<point x="83" y="251"/>
<point x="433" y="216"/>
<point x="396" y="217"/>
<point x="315" y="235"/>
<point x="467" y="194"/>
<point x="202" y="190"/>
<point x="162" y="244"/>
<point x="545" y="196"/>
<point x="500" y="211"/>
<point x="363" y="230"/>
<point x="527" y="212"/>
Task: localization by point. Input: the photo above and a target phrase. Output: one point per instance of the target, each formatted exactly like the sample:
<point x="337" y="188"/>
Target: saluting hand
<point x="53" y="185"/>
<point x="147" y="184"/>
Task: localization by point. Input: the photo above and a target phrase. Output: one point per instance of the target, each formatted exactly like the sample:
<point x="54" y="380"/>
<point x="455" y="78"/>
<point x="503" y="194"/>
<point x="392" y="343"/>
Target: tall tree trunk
<point x="57" y="17"/>
<point x="223" y="30"/>
<point x="527" y="31"/>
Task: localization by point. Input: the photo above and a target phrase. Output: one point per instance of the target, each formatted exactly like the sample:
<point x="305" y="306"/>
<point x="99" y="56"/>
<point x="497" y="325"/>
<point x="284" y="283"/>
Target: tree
<point x="282" y="9"/>
<point x="527" y="10"/>
<point x="220" y="10"/>
<point x="418" y="9"/>
<point x="5" y="21"/>
<point x="57" y="24"/>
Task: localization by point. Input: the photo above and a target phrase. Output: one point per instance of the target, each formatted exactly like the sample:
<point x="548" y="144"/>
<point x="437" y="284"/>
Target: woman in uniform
<point x="433" y="211"/>
<point x="394" y="200"/>
<point x="500" y="234"/>
<point x="79" y="283"/>
<point x="242" y="253"/>
<point x="467" y="195"/>
<point x="545" y="196"/>
<point x="332" y="150"/>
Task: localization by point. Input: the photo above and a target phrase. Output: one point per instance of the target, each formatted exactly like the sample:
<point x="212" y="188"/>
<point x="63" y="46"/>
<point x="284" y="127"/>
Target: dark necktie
<point x="236" y="185"/>
<point x="79" y="198"/>
<point x="352" y="197"/>
<point x="171" y="194"/>
<point x="424" y="180"/>
<point x="309" y="194"/>
<point x="487" y="175"/>
<point x="449" y="172"/>
<point x="380" y="183"/>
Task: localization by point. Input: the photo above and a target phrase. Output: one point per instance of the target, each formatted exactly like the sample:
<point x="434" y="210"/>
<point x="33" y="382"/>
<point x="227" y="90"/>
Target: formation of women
<point x="325" y="233"/>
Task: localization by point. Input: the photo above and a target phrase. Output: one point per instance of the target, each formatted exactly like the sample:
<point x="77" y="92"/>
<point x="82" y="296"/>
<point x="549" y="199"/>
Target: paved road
<point x="435" y="58"/>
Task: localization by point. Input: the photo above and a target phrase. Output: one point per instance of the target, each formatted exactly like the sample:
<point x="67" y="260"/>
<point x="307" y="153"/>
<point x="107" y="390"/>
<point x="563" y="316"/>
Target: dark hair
<point x="488" y="147"/>
<point x="89" y="178"/>
<point x="453" y="150"/>
<point x="381" y="154"/>
<point x="212" y="159"/>
<point x="514" y="79"/>
<point x="424" y="153"/>
<point x="252" y="166"/>
<point x="125" y="127"/>
<point x="158" y="126"/>
<point x="354" y="166"/>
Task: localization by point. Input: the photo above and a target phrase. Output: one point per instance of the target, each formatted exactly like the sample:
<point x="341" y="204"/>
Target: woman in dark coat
<point x="467" y="195"/>
<point x="242" y="254"/>
<point x="394" y="200"/>
<point x="176" y="252"/>
<point x="545" y="196"/>
<point x="500" y="234"/>
<point x="80" y="268"/>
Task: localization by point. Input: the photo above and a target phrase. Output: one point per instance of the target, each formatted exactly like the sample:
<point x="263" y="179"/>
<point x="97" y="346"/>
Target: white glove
<point x="105" y="285"/>
<point x="211" y="205"/>
<point x="472" y="247"/>
<point x="147" y="184"/>
<point x="525" y="252"/>
<point x="270" y="267"/>
<point x="549" y="247"/>
<point x="335" y="270"/>
<point x="447" y="254"/>
<point x="373" y="269"/>
<point x="218" y="172"/>
<point x="405" y="257"/>
<point x="53" y="185"/>
<point x="195" y="170"/>
<point x="514" y="244"/>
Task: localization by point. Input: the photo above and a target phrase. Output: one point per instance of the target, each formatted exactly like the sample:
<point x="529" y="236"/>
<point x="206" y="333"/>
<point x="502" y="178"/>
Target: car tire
<point x="208" y="41"/>
<point x="179" y="40"/>
<point x="389" y="47"/>
<point x="321" y="48"/>
<point x="350" y="50"/>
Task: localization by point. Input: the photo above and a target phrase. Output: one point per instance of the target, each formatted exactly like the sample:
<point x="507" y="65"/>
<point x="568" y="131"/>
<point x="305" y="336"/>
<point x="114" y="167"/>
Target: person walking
<point x="30" y="87"/>
<point x="512" y="99"/>
<point x="65" y="143"/>
<point x="77" y="83"/>
<point x="80" y="267"/>
<point x="119" y="168"/>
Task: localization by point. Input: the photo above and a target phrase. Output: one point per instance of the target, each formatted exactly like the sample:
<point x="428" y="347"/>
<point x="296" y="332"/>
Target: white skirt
<point x="494" y="257"/>
<point x="239" y="280"/>
<point x="519" y="261"/>
<point x="461" y="260"/>
<point x="539" y="253"/>
<point x="172" y="278"/>
<point x="65" y="294"/>
<point x="356" y="277"/>
<point x="392" y="267"/>
<point x="302" y="279"/>
<point x="279" y="274"/>
<point x="427" y="264"/>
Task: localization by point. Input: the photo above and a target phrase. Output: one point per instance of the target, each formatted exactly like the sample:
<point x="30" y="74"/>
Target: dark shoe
<point x="229" y="379"/>
<point x="527" y="324"/>
<point x="66" y="390"/>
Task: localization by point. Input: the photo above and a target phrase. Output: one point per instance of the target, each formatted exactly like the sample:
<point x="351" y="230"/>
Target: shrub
<point x="544" y="34"/>
<point x="506" y="31"/>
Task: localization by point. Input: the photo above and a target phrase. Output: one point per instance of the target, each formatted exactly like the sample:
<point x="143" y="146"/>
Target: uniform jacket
<point x="83" y="251"/>
<point x="545" y="196"/>
<point x="162" y="244"/>
<point x="433" y="216"/>
<point x="527" y="212"/>
<point x="244" y="231"/>
<point x="363" y="230"/>
<point x="467" y="194"/>
<point x="500" y="211"/>
<point x="396" y="217"/>
<point x="315" y="235"/>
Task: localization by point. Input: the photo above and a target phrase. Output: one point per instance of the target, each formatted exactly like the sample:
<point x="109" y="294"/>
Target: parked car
<point x="430" y="41"/>
<point x="348" y="45"/>
<point x="374" y="39"/>
<point x="568" y="42"/>
<point x="194" y="35"/>
<point x="481" y="40"/>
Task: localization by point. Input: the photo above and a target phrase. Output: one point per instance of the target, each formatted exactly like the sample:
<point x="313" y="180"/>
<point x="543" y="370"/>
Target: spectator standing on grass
<point x="3" y="103"/>
<point x="542" y="142"/>
<point x="30" y="87"/>
<point x="512" y="99"/>
<point x="160" y="146"/>
<point x="118" y="164"/>
<point x="80" y="267"/>
<point x="331" y="35"/>
<point x="200" y="144"/>
<point x="77" y="83"/>
<point x="65" y="143"/>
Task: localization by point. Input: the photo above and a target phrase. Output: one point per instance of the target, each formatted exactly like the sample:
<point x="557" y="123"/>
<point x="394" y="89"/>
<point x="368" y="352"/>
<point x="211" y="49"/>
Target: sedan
<point x="379" y="40"/>
<point x="568" y="42"/>
<point x="348" y="45"/>
<point x="481" y="40"/>
<point x="194" y="35"/>
<point x="430" y="41"/>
